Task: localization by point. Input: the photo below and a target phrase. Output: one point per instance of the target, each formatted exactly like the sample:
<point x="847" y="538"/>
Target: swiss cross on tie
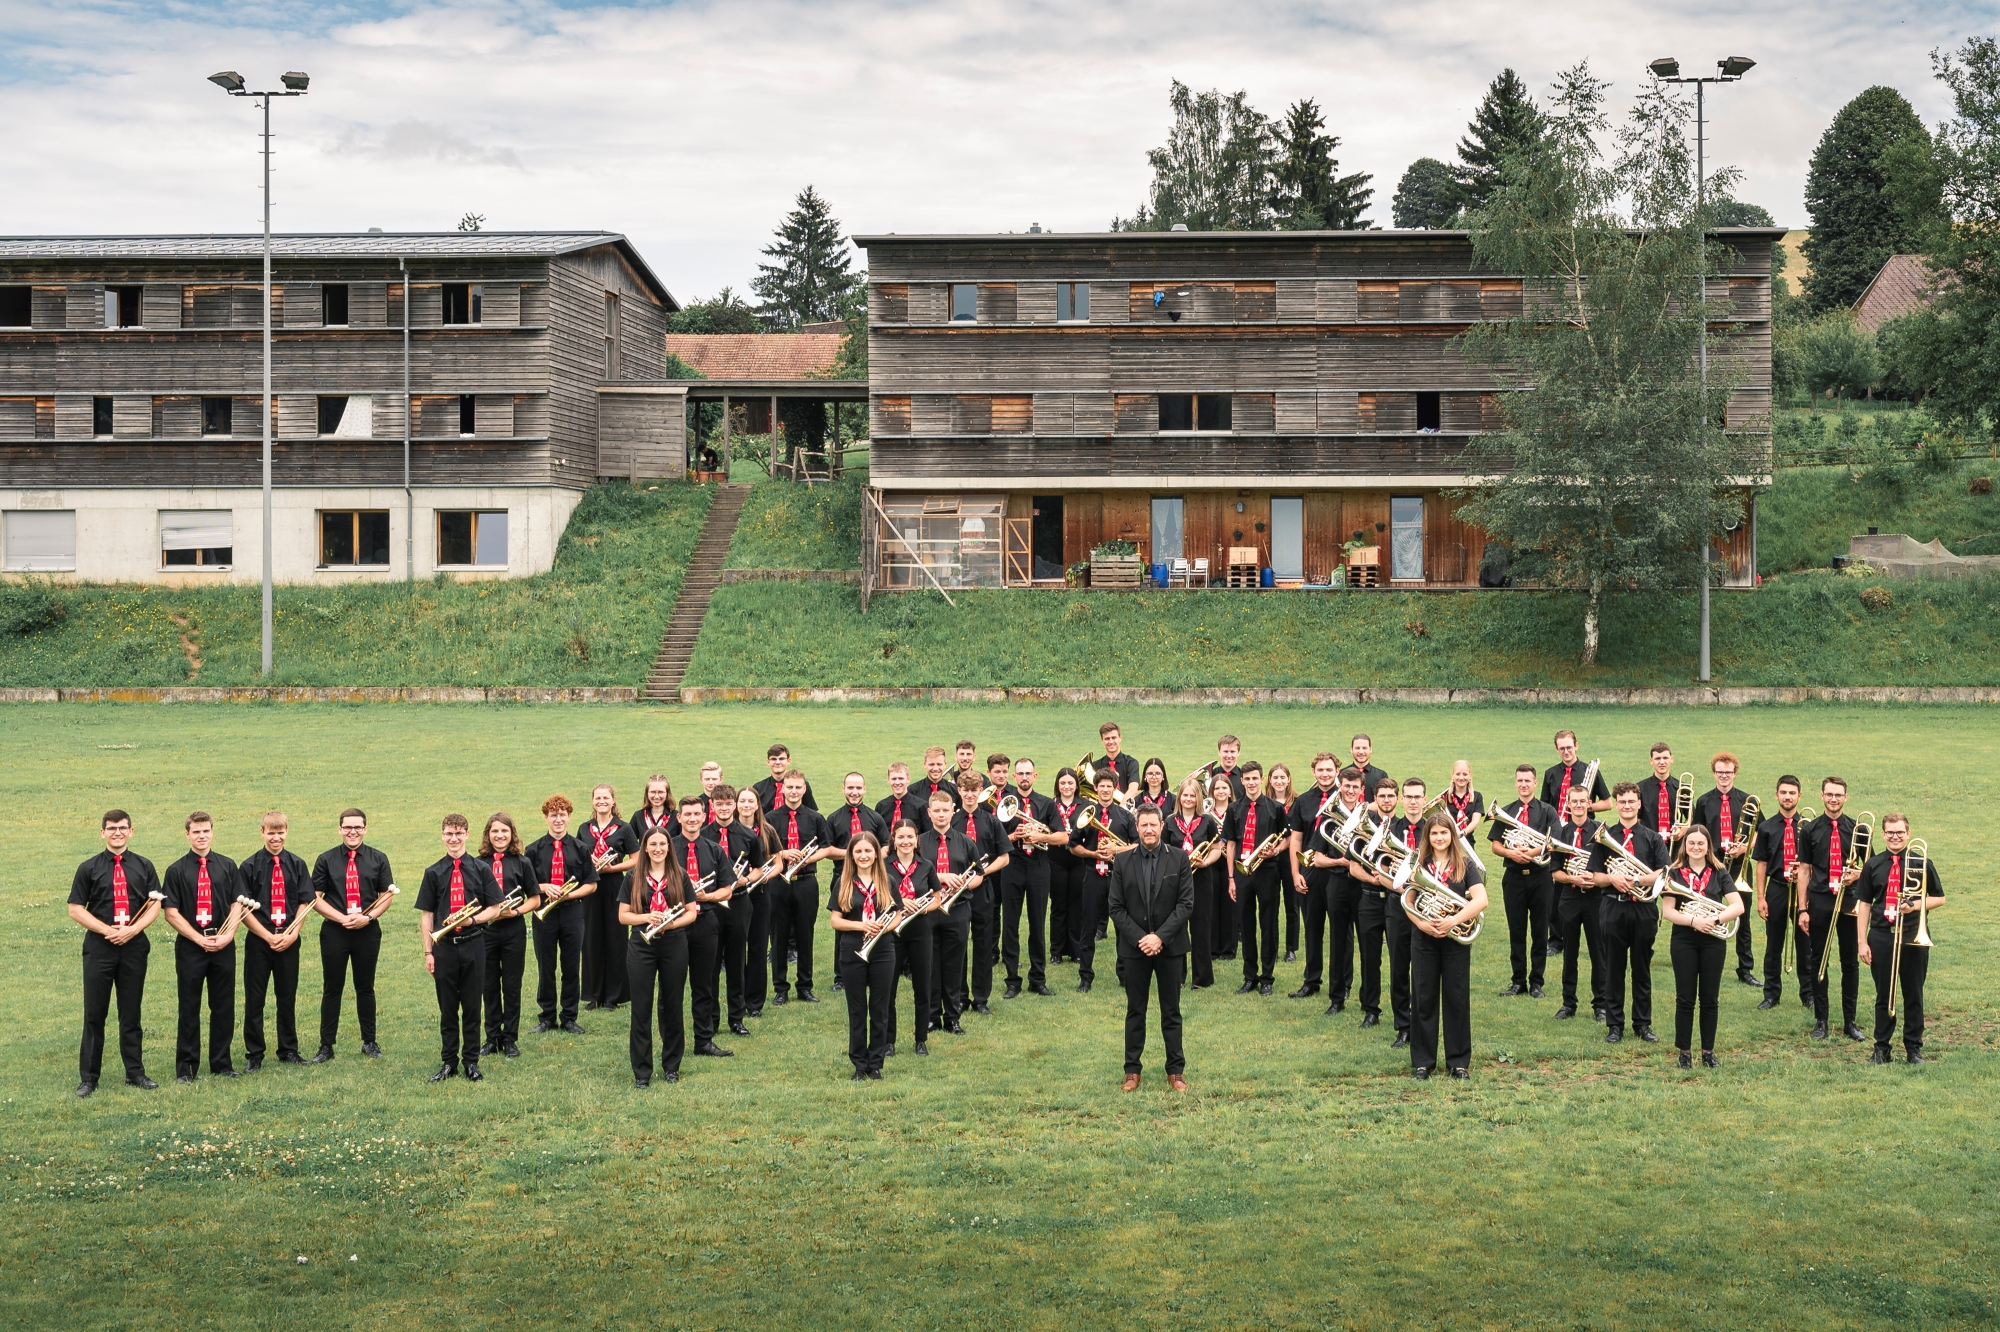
<point x="854" y="821"/>
<point x="499" y="877"/>
<point x="1728" y="823"/>
<point x="556" y="863"/>
<point x="1666" y="798"/>
<point x="121" y="899"/>
<point x="1791" y="841"/>
<point x="1250" y="830"/>
<point x="944" y="853"/>
<point x="694" y="865"/>
<point x="1836" y="867"/>
<point x="457" y="884"/>
<point x="277" y="890"/>
<point x="204" y="900"/>
<point x="1892" y="902"/>
<point x="353" y="884"/>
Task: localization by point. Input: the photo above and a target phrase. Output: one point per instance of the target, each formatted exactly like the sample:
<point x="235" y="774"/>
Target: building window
<point x="612" y="327"/>
<point x="100" y="417"/>
<point x="122" y="306"/>
<point x="1072" y="301"/>
<point x="964" y="302"/>
<point x="333" y="304"/>
<point x="17" y="307"/>
<point x="472" y="540"/>
<point x="956" y="537"/>
<point x="346" y="416"/>
<point x="218" y="416"/>
<point x="195" y="538"/>
<point x="1194" y="411"/>
<point x="353" y="539"/>
<point x="331" y="410"/>
<point x="41" y="540"/>
<point x="1168" y="511"/>
<point x="1406" y="537"/>
<point x="1430" y="411"/>
<point x="468" y="414"/>
<point x="461" y="303"/>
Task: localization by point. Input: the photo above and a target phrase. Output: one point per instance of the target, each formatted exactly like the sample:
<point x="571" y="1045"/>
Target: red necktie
<point x="658" y="902"/>
<point x="457" y="884"/>
<point x="944" y="853"/>
<point x="1728" y="825"/>
<point x="1562" y="795"/>
<point x="204" y="902"/>
<point x="792" y="833"/>
<point x="1893" y="901"/>
<point x="694" y="865"/>
<point x="1666" y="798"/>
<point x="1791" y="845"/>
<point x="499" y="877"/>
<point x="556" y="864"/>
<point x="121" y="902"/>
<point x="1410" y="837"/>
<point x="899" y="813"/>
<point x="1250" y="830"/>
<point x="1836" y="868"/>
<point x="854" y="821"/>
<point x="353" y="883"/>
<point x="277" y="890"/>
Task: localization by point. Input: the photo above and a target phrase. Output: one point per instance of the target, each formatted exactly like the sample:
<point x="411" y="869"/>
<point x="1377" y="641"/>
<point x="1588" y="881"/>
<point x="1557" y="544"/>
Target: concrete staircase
<point x="704" y="572"/>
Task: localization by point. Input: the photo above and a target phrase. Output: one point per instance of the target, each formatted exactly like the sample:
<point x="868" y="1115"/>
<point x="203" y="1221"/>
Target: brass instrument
<point x="1428" y="899"/>
<point x="1086" y="771"/>
<point x="1635" y="869"/>
<point x="1787" y="950"/>
<point x="1342" y="835"/>
<point x="1916" y="869"/>
<point x="1202" y="849"/>
<point x="1704" y="909"/>
<point x="463" y="916"/>
<point x="1520" y="837"/>
<point x="1739" y="864"/>
<point x="556" y="899"/>
<point x="1106" y="839"/>
<point x="1267" y="848"/>
<point x="1010" y="810"/>
<point x="886" y="924"/>
<point x="1201" y="774"/>
<point x="1851" y="865"/>
<point x="792" y="870"/>
<point x="1683" y="808"/>
<point x="951" y="895"/>
<point x="673" y="914"/>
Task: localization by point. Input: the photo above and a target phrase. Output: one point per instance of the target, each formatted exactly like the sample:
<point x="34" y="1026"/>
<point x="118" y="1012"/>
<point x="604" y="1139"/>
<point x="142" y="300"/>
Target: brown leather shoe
<point x="1177" y="1082"/>
<point x="1131" y="1082"/>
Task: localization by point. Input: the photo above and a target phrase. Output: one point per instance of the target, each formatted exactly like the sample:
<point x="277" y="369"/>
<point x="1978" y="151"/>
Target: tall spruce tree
<point x="1214" y="171"/>
<point x="1308" y="192"/>
<point x="1506" y="123"/>
<point x="810" y="272"/>
<point x="1425" y="196"/>
<point x="1856" y="221"/>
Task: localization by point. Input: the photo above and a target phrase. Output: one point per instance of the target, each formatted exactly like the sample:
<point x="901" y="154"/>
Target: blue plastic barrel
<point x="1266" y="577"/>
<point x="1159" y="575"/>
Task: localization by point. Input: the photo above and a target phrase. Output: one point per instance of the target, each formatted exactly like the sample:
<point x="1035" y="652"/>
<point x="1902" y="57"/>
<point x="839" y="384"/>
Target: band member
<point x="1371" y="923"/>
<point x="1362" y="749"/>
<point x="352" y="887"/>
<point x="1188" y="830"/>
<point x="657" y="812"/>
<point x="901" y="802"/>
<point x="804" y="839"/>
<point x="1122" y="765"/>
<point x="1343" y="898"/>
<point x="507" y="933"/>
<point x="1628" y="924"/>
<point x="1890" y="891"/>
<point x="1309" y="858"/>
<point x="115" y="895"/>
<point x="1467" y="806"/>
<point x="976" y="821"/>
<point x="913" y="879"/>
<point x="658" y="897"/>
<point x="1440" y="966"/>
<point x="854" y="817"/>
<point x="1579" y="915"/>
<point x="936" y="778"/>
<point x="1224" y="790"/>
<point x="1697" y="953"/>
<point x="1227" y="750"/>
<point x="753" y="837"/>
<point x="614" y="849"/>
<point x="201" y="892"/>
<point x="1659" y="793"/>
<point x="771" y="790"/>
<point x="1095" y="899"/>
<point x="1027" y="881"/>
<point x="1070" y="870"/>
<point x="962" y="763"/>
<point x="1153" y="789"/>
<point x="711" y="781"/>
<point x="1406" y="828"/>
<point x="857" y="909"/>
<point x="1526" y="886"/>
<point x="1151" y="902"/>
<point x="1278" y="786"/>
<point x="559" y="861"/>
<point x="1720" y="810"/>
<point x="1254" y="892"/>
<point x="281" y="885"/>
<point x="1828" y="870"/>
<point x="700" y="858"/>
<point x="457" y="960"/>
<point x="1774" y="859"/>
<point x="951" y="855"/>
<point x="1568" y="772"/>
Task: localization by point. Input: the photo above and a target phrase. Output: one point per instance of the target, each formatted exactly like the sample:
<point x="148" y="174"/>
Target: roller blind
<point x="195" y="529"/>
<point x="41" y="540"/>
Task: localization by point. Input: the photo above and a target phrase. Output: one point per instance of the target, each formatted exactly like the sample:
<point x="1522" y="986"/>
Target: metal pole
<point x="409" y="496"/>
<point x="1701" y="261"/>
<point x="267" y="385"/>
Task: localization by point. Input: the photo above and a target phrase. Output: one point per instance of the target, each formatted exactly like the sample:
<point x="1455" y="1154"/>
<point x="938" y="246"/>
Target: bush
<point x="32" y="605"/>
<point x="1840" y="357"/>
<point x="1876" y="598"/>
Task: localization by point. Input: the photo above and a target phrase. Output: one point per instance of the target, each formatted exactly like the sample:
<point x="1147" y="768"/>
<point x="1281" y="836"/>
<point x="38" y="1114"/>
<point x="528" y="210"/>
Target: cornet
<point x="556" y="899"/>
<point x="1637" y="870"/>
<point x="1704" y="909"/>
<point x="1428" y="899"/>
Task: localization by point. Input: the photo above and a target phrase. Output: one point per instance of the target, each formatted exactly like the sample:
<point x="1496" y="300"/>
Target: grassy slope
<point x="788" y="526"/>
<point x="1803" y="629"/>
<point x="1810" y="512"/>
<point x="1305" y="1181"/>
<point x="595" y="619"/>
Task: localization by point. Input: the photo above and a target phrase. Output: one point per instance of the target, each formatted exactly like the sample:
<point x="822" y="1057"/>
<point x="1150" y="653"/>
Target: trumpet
<point x="1520" y="837"/>
<point x="556" y="899"/>
<point x="1267" y="848"/>
<point x="885" y="925"/>
<point x="1704" y="909"/>
<point x="951" y="895"/>
<point x="1739" y="864"/>
<point x="1917" y="871"/>
<point x="652" y="932"/>
<point x="1635" y="869"/>
<point x="1429" y="899"/>
<point x="460" y="918"/>
<point x="792" y="870"/>
<point x="1683" y="807"/>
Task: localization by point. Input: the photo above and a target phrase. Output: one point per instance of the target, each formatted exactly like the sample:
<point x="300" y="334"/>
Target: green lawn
<point x="1810" y="512"/>
<point x="1305" y="1181"/>
<point x="789" y="526"/>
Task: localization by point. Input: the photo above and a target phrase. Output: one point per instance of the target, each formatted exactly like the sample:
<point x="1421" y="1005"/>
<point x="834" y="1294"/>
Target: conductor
<point x="1152" y="900"/>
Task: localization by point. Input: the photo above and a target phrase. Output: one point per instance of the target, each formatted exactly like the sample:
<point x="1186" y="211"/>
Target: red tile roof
<point x="1903" y="285"/>
<point x="757" y="355"/>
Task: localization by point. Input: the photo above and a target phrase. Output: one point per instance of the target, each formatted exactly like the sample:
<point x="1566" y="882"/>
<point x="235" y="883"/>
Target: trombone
<point x="1864" y="844"/>
<point x="1787" y="949"/>
<point x="1635" y="869"/>
<point x="1683" y="808"/>
<point x="1917" y="869"/>
<point x="1739" y="865"/>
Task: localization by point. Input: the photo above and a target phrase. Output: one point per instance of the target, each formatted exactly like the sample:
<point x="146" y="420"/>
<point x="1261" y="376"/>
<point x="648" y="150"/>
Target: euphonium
<point x="1703" y="908"/>
<point x="1917" y="872"/>
<point x="1428" y="899"/>
<point x="1086" y="771"/>
<point x="1200" y="774"/>
<point x="1521" y="837"/>
<point x="1635" y="869"/>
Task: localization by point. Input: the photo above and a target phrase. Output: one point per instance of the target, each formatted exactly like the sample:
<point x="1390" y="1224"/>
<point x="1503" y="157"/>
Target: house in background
<point x="1032" y="396"/>
<point x="751" y="380"/>
<point x="1903" y="286"/>
<point x="131" y="375"/>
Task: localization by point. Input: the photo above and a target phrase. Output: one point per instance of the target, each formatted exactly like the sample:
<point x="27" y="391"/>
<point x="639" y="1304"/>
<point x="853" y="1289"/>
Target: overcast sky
<point x="691" y="126"/>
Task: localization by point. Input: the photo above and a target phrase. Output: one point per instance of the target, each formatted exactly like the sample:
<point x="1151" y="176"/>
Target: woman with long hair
<point x="613" y="850"/>
<point x="752" y="835"/>
<point x="1278" y="786"/>
<point x="506" y="934"/>
<point x="1223" y="912"/>
<point x="1069" y="875"/>
<point x="657" y="811"/>
<point x="913" y="877"/>
<point x="1188" y="828"/>
<point x="1440" y="966"/>
<point x="1698" y="956"/>
<point x="658" y="887"/>
<point x="857" y="908"/>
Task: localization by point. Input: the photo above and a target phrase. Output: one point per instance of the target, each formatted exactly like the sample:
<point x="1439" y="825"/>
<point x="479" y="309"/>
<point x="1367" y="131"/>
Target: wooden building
<point x="131" y="374"/>
<point x="1034" y="395"/>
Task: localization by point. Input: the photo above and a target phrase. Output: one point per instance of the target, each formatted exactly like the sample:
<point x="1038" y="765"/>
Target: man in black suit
<point x="1152" y="900"/>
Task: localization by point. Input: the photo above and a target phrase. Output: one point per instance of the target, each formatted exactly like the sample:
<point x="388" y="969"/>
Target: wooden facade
<point x="1223" y="373"/>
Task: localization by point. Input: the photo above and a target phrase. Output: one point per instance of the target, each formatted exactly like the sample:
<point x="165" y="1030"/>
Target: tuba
<point x="1635" y="869"/>
<point x="1917" y="870"/>
<point x="1428" y="899"/>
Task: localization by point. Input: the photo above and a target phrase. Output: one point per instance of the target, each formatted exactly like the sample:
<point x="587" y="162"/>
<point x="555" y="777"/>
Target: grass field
<point x="1305" y="1181"/>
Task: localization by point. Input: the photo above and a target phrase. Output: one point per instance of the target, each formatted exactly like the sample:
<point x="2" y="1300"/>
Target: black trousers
<point x="915" y="947"/>
<point x="795" y="907"/>
<point x="1698" y="959"/>
<point x="1139" y="974"/>
<point x="108" y="967"/>
<point x="870" y="988"/>
<point x="1092" y="908"/>
<point x="1312" y="907"/>
<point x="604" y="981"/>
<point x="1372" y="927"/>
<point x="662" y="963"/>
<point x="558" y="942"/>
<point x="1628" y="930"/>
<point x="985" y="938"/>
<point x="949" y="932"/>
<point x="1440" y="985"/>
<point x="1527" y="901"/>
<point x="1293" y="901"/>
<point x="506" y="956"/>
<point x="1257" y="905"/>
<point x="1820" y="906"/>
<point x="1027" y="886"/>
<point x="1746" y="951"/>
<point x="1202" y="927"/>
<point x="197" y="969"/>
<point x="1343" y="913"/>
<point x="704" y="942"/>
<point x="733" y="921"/>
<point x="280" y="971"/>
<point x="1578" y="917"/>
<point x="1915" y="968"/>
<point x="1228" y="920"/>
<point x="756" y="951"/>
<point x="460" y="976"/>
<point x="1067" y="879"/>
<point x="1400" y="933"/>
<point x="339" y="945"/>
<point x="1775" y="925"/>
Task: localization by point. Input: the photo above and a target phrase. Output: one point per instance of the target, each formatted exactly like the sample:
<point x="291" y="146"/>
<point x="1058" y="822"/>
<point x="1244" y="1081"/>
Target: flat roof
<point x="1234" y="237"/>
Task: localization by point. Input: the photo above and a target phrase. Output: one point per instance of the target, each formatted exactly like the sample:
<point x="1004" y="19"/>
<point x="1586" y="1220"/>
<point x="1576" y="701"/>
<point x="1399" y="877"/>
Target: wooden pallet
<point x="1243" y="576"/>
<point x="1116" y="571"/>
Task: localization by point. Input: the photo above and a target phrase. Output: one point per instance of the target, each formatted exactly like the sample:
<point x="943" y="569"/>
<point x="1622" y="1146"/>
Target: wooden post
<point x="725" y="436"/>
<point x="774" y="435"/>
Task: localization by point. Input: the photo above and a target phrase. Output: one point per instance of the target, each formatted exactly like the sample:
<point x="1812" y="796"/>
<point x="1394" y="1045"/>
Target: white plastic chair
<point x="1200" y="571"/>
<point x="1179" y="572"/>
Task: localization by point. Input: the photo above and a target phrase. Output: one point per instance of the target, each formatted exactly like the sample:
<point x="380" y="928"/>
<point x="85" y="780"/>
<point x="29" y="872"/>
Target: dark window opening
<point x="330" y="412"/>
<point x="1429" y="411"/>
<point x="351" y="538"/>
<point x="218" y="416"/>
<point x="100" y="416"/>
<point x="1212" y="411"/>
<point x="457" y="303"/>
<point x="333" y="304"/>
<point x="17" y="307"/>
<point x="1177" y="411"/>
<point x="1072" y="301"/>
<point x="468" y="414"/>
<point x="1046" y="537"/>
<point x="474" y="539"/>
<point x="122" y="306"/>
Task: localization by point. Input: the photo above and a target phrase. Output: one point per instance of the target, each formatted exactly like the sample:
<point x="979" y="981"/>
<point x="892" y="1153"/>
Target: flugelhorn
<point x="1917" y="872"/>
<point x="1267" y="848"/>
<point x="951" y="895"/>
<point x="1429" y="899"/>
<point x="556" y="899"/>
<point x="1643" y="889"/>
<point x="1705" y="910"/>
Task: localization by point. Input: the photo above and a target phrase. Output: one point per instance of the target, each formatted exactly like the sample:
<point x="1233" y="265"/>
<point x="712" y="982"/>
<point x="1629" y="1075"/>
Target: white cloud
<point x="691" y="126"/>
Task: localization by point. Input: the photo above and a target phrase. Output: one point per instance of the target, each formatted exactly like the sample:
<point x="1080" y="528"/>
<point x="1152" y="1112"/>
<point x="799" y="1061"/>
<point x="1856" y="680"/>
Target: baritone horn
<point x="1705" y="910"/>
<point x="1429" y="899"/>
<point x="1636" y="870"/>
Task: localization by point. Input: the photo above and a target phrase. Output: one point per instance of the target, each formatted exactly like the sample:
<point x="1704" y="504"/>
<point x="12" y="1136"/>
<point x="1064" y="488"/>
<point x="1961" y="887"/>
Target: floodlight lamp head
<point x="228" y="80"/>
<point x="1666" y="67"/>
<point x="294" y="80"/>
<point x="1736" y="66"/>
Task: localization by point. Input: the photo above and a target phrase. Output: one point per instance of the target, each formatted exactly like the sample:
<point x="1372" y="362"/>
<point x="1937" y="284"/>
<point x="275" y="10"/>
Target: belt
<point x="462" y="936"/>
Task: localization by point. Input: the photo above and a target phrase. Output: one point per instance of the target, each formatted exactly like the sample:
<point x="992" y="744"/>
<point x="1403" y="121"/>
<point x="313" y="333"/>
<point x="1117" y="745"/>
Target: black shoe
<point x="1303" y="992"/>
<point x="1819" y="1031"/>
<point x="1332" y="1008"/>
<point x="323" y="1055"/>
<point x="1534" y="991"/>
<point x="142" y="1082"/>
<point x="511" y="1050"/>
<point x="1039" y="988"/>
<point x="290" y="1057"/>
<point x="1597" y="1013"/>
<point x="1565" y="1013"/>
<point x="738" y="1029"/>
<point x="1853" y="1032"/>
<point x="1401" y="1042"/>
<point x="1645" y="1031"/>
<point x="857" y="1075"/>
<point x="983" y="1008"/>
<point x="838" y="986"/>
<point x="954" y="1027"/>
<point x="1708" y="1059"/>
<point x="1514" y="989"/>
<point x="670" y="1077"/>
<point x="1247" y="987"/>
<point x="1913" y="1057"/>
<point x="1684" y="1060"/>
<point x="1553" y="950"/>
<point x="252" y="1065"/>
<point x="1881" y="1055"/>
<point x="184" y="1077"/>
<point x="923" y="1049"/>
<point x="1083" y="987"/>
<point x="781" y="998"/>
<point x="1291" y="955"/>
<point x="889" y="1053"/>
<point x="712" y="1050"/>
<point x="1745" y="976"/>
<point x="874" y="1075"/>
<point x="572" y="1028"/>
<point x="641" y="1083"/>
<point x="472" y="1073"/>
<point x="808" y="997"/>
<point x="490" y="1048"/>
<point x="230" y="1073"/>
<point x="1461" y="1073"/>
<point x="1371" y="1019"/>
<point x="791" y="957"/>
<point x="542" y="1026"/>
<point x="1265" y="988"/>
<point x="756" y="1011"/>
<point x="445" y="1071"/>
<point x="1013" y="990"/>
<point x="372" y="1050"/>
<point x="1613" y="1035"/>
<point x="84" y="1089"/>
<point x="590" y="1007"/>
<point x="1768" y="1004"/>
<point x="1421" y="1074"/>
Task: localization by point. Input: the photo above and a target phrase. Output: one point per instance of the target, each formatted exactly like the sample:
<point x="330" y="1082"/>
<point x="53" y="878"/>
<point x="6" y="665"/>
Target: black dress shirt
<point x="255" y="873"/>
<point x="1188" y="838"/>
<point x="920" y="791"/>
<point x="913" y="880"/>
<point x="620" y="843"/>
<point x="960" y="852"/>
<point x="913" y="807"/>
<point x="329" y="875"/>
<point x="1651" y="801"/>
<point x="1124" y="765"/>
<point x="709" y="858"/>
<point x="1715" y="886"/>
<point x="849" y="821"/>
<point x="1270" y="819"/>
<point x="1873" y="888"/>
<point x="576" y="865"/>
<point x="1040" y="808"/>
<point x="515" y="878"/>
<point x="811" y="828"/>
<point x="91" y="888"/>
<point x="1152" y="892"/>
<point x="645" y="821"/>
<point x="1540" y="817"/>
<point x="183" y="888"/>
<point x="1646" y="846"/>
<point x="1770" y="845"/>
<point x="1708" y="814"/>
<point x="1372" y="778"/>
<point x="846" y="943"/>
<point x="1585" y="836"/>
<point x="475" y="877"/>
<point x="1817" y="851"/>
<point x="1552" y="782"/>
<point x="771" y="795"/>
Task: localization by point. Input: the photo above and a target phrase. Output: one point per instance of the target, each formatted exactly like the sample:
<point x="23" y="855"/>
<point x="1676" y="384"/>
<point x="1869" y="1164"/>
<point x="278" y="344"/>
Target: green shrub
<point x="31" y="605"/>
